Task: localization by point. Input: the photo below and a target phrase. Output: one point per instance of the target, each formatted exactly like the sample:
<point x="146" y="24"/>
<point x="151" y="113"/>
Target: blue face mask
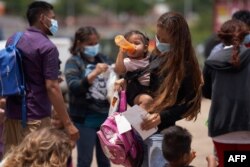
<point x="54" y="26"/>
<point x="246" y="39"/>
<point x="162" y="47"/>
<point x="91" y="51"/>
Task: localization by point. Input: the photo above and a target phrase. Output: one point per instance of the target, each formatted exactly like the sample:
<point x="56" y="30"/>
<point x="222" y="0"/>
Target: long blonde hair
<point x="177" y="63"/>
<point x="47" y="147"/>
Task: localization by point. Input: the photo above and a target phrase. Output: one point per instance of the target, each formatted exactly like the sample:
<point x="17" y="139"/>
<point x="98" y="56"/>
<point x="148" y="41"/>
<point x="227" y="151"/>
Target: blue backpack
<point x="12" y="81"/>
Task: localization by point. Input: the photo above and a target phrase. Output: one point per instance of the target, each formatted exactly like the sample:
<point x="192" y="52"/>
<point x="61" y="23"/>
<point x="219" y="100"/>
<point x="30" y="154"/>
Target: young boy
<point x="176" y="148"/>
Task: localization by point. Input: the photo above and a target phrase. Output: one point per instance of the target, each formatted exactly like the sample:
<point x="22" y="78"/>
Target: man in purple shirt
<point x="41" y="66"/>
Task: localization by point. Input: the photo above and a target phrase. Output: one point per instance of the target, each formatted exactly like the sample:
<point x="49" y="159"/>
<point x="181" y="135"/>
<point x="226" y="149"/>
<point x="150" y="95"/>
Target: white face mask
<point x="162" y="47"/>
<point x="54" y="26"/>
<point x="91" y="51"/>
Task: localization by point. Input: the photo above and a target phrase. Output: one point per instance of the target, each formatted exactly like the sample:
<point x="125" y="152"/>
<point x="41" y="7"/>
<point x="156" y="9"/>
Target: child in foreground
<point x="176" y="148"/>
<point x="47" y="147"/>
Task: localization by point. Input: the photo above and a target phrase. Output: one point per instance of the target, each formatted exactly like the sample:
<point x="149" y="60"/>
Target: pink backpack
<point x="122" y="149"/>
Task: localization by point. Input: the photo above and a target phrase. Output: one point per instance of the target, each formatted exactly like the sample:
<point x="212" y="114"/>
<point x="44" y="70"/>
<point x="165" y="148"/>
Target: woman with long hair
<point x="175" y="80"/>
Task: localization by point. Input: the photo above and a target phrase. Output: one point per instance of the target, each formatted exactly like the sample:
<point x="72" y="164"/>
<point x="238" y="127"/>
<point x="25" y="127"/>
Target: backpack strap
<point x="17" y="37"/>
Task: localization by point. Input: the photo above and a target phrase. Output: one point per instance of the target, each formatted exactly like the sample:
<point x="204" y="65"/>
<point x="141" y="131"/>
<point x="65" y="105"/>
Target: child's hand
<point x="119" y="85"/>
<point x="211" y="160"/>
<point x="122" y="51"/>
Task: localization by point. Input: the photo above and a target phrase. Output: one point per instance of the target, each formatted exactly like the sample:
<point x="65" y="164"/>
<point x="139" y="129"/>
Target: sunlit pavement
<point x="201" y="143"/>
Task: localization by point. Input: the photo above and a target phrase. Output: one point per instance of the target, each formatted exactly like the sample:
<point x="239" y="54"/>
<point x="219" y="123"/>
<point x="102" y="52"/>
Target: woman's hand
<point x="152" y="120"/>
<point x="101" y="68"/>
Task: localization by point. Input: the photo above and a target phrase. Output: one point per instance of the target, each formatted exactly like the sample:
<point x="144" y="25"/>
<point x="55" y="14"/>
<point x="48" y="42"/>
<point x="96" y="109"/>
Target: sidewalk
<point x="202" y="144"/>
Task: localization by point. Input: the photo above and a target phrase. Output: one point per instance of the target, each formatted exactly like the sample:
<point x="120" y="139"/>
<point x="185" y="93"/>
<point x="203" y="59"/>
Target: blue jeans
<point x="153" y="156"/>
<point x="85" y="147"/>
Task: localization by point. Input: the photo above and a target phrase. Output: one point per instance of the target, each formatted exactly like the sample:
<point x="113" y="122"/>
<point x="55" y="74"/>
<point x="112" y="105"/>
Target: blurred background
<point x="112" y="17"/>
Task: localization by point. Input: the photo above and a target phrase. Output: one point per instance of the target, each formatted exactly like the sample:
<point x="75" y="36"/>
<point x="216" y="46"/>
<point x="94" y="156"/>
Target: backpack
<point x="122" y="149"/>
<point x="11" y="73"/>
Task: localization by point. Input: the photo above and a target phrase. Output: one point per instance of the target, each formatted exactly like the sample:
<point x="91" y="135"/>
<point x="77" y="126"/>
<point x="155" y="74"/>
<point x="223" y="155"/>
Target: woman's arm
<point x="171" y="115"/>
<point x="165" y="118"/>
<point x="77" y="83"/>
<point x="119" y="64"/>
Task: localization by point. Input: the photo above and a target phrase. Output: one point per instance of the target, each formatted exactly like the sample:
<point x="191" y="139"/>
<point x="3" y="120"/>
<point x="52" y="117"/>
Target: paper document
<point x="122" y="124"/>
<point x="135" y="116"/>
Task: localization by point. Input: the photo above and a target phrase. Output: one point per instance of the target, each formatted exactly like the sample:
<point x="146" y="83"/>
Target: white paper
<point x="135" y="116"/>
<point x="122" y="124"/>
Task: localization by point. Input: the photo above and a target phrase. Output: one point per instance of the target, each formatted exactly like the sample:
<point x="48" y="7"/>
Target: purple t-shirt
<point x="40" y="62"/>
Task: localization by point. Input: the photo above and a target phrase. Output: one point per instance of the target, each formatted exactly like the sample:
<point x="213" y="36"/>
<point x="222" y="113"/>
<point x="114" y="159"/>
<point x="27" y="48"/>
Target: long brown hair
<point x="232" y="32"/>
<point x="180" y="57"/>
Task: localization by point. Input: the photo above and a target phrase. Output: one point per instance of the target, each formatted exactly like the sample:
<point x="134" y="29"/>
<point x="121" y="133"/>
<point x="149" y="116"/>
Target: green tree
<point x="203" y="27"/>
<point x="137" y="7"/>
<point x="17" y="7"/>
<point x="70" y="7"/>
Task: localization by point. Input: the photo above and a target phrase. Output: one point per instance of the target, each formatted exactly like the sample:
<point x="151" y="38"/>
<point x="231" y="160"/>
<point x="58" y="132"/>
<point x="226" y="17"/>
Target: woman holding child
<point x="175" y="81"/>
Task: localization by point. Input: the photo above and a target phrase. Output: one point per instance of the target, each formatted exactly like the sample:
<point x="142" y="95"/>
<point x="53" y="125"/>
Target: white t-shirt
<point x="134" y="64"/>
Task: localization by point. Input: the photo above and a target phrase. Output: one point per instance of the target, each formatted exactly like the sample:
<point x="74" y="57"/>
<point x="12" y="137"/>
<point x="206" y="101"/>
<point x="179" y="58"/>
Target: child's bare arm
<point x="119" y="64"/>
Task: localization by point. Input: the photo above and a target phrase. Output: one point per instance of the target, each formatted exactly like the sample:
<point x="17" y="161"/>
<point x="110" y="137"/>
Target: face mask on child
<point x="91" y="51"/>
<point x="162" y="47"/>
